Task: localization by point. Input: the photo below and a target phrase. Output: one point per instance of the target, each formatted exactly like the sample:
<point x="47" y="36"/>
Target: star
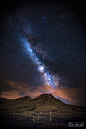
<point x="43" y="18"/>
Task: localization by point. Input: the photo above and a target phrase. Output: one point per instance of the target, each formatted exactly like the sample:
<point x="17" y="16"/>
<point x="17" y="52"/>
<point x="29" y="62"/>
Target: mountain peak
<point x="25" y="98"/>
<point x="45" y="96"/>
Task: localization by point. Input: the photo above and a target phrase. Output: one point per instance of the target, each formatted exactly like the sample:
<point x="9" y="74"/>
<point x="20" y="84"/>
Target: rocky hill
<point x="44" y="102"/>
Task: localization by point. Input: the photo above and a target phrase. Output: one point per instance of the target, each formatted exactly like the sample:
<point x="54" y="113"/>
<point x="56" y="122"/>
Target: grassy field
<point x="39" y="113"/>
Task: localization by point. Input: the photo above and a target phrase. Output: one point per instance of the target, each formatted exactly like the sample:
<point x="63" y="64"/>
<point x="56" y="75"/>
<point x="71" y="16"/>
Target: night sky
<point x="43" y="50"/>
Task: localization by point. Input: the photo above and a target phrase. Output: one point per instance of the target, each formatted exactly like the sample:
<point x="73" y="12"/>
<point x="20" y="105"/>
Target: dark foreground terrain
<point x="43" y="112"/>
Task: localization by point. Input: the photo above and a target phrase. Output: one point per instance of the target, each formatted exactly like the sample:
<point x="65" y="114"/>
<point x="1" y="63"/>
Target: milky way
<point x="43" y="47"/>
<point x="48" y="80"/>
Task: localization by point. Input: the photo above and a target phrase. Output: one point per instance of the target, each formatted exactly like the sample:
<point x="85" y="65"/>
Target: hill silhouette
<point x="27" y="110"/>
<point x="25" y="98"/>
<point x="44" y="102"/>
<point x="45" y="97"/>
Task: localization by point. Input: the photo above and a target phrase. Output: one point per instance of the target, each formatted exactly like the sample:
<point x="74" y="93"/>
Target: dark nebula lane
<point x="40" y="65"/>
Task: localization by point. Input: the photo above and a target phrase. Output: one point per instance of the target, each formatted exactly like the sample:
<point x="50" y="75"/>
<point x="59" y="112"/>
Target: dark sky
<point x="56" y="32"/>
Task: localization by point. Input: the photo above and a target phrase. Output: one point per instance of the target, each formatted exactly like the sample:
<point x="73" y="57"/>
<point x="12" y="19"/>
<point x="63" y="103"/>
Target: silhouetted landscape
<point x="42" y="112"/>
<point x="42" y="58"/>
